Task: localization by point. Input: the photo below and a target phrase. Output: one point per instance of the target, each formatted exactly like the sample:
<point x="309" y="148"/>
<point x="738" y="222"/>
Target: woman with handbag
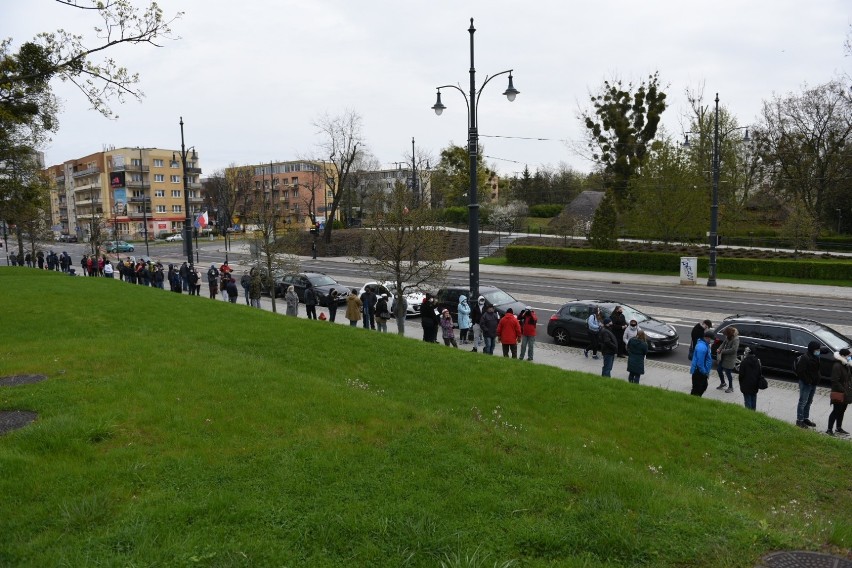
<point x="841" y="391"/>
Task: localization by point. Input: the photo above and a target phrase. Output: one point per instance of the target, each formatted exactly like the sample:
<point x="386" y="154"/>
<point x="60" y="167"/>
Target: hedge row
<point x="663" y="261"/>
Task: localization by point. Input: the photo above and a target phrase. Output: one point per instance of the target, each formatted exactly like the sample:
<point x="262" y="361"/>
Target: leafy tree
<point x="621" y="125"/>
<point x="221" y="196"/>
<point x="24" y="195"/>
<point x="604" y="231"/>
<point x="801" y="227"/>
<point x="804" y="143"/>
<point x="669" y="197"/>
<point x="406" y="247"/>
<point x="451" y="178"/>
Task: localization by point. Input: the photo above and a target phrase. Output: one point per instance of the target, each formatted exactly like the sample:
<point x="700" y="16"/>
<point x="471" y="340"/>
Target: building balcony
<point x="193" y="185"/>
<point x="87" y="187"/>
<point x="139" y="199"/>
<point x="193" y="171"/>
<point x="196" y="199"/>
<point x="88" y="202"/>
<point x="59" y="179"/>
<point x="86" y="172"/>
<point x="129" y="168"/>
<point x="136" y="184"/>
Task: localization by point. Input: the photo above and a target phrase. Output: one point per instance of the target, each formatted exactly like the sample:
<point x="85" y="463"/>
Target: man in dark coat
<point x="807" y="371"/>
<point x="749" y="377"/>
<point x="619" y="323"/>
<point x="609" y="348"/>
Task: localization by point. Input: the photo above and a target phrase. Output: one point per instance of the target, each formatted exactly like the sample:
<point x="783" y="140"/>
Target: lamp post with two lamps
<point x="472" y="101"/>
<point x="714" y="207"/>
<point x="187" y="224"/>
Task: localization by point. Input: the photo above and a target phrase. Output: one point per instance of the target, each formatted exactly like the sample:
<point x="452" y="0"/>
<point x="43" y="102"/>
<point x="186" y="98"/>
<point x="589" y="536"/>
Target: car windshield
<point x="322" y="280"/>
<point x="498" y="297"/>
<point x="629" y="313"/>
<point x="834" y="341"/>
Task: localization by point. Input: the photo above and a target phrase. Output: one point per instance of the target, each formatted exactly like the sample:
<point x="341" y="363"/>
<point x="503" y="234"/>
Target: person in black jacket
<point x="476" y="312"/>
<point x="698" y="334"/>
<point x="609" y="347"/>
<point x="429" y="320"/>
<point x="841" y="382"/>
<point x="749" y="377"/>
<point x="807" y="371"/>
<point x="619" y="323"/>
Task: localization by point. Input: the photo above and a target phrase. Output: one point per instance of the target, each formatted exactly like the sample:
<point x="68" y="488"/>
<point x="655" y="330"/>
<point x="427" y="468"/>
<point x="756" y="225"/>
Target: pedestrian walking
<point x="702" y="363"/>
<point x="593" y="325"/>
<point x="727" y="356"/>
<point x="447" y="329"/>
<point x="528" y="321"/>
<point x="841" y="392"/>
<point x="637" y="350"/>
<point x="608" y="346"/>
<point x="291" y="299"/>
<point x="749" y="377"/>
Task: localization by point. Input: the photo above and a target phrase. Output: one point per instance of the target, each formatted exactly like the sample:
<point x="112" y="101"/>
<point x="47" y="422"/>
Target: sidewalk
<point x="778" y="401"/>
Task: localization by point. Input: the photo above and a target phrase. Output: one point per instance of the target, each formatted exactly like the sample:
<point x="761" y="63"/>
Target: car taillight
<point x="553" y="317"/>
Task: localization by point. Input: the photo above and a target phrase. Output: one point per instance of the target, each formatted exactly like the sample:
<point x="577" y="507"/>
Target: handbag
<point x="762" y="383"/>
<point x="838" y="397"/>
<point x="690" y="352"/>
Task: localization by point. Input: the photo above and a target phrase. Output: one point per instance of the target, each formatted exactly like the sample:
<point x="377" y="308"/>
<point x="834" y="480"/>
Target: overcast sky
<point x="250" y="78"/>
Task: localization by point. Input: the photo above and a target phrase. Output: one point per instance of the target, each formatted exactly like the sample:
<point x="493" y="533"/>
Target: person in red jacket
<point x="509" y="333"/>
<point x="528" y="321"/>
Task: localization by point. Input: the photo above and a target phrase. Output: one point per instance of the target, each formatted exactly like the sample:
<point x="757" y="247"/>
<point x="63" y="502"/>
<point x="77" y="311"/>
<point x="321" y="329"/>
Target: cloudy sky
<point x="251" y="78"/>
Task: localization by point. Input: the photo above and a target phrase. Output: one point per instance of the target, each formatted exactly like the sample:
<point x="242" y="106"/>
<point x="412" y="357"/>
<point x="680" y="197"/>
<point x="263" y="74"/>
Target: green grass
<point x="501" y="261"/>
<point x="179" y="431"/>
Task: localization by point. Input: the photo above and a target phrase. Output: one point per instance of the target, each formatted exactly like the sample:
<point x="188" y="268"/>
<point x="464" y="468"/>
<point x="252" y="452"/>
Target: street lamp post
<point x="144" y="204"/>
<point x="714" y="207"/>
<point x="187" y="224"/>
<point x="472" y="101"/>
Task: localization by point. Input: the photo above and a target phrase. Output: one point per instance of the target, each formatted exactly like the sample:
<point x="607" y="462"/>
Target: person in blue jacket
<point x="702" y="363"/>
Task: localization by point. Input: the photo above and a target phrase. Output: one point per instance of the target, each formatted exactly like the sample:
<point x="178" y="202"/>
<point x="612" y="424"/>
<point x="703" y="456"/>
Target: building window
<point x="161" y="208"/>
<point x="136" y="177"/>
<point x="159" y="177"/>
<point x="135" y="162"/>
<point x="175" y="193"/>
<point x="295" y="193"/>
<point x="177" y="209"/>
<point x="158" y="163"/>
<point x="175" y="179"/>
<point x="159" y="193"/>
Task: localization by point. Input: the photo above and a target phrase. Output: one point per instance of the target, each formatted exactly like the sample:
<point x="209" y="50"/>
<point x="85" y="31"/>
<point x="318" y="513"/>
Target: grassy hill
<point x="180" y="431"/>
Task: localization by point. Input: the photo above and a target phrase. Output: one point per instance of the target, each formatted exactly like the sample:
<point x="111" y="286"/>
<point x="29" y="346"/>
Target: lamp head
<point x="746" y="138"/>
<point x="438" y="107"/>
<point x="686" y="140"/>
<point x="194" y="154"/>
<point x="511" y="92"/>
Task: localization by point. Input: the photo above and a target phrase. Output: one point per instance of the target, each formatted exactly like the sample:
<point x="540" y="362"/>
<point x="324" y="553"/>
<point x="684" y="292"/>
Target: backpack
<point x="796" y="365"/>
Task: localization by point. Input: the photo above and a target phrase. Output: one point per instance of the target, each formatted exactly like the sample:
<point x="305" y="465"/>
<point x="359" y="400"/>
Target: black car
<point x="449" y="298"/>
<point x="569" y="324"/>
<point x="779" y="340"/>
<point x="323" y="285"/>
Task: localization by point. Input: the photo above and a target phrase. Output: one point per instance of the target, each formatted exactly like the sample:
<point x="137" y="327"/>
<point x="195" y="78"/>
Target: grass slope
<point x="179" y="431"/>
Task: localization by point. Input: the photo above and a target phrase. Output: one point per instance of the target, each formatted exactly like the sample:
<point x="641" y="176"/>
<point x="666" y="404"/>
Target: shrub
<point x="546" y="210"/>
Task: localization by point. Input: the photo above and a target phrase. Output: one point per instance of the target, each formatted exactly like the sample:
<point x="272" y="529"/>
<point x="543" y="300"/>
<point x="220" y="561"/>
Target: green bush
<point x="456" y="215"/>
<point x="546" y="210"/>
<point x="662" y="262"/>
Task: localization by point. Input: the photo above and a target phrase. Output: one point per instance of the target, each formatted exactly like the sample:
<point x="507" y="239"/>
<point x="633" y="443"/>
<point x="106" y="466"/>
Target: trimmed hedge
<point x="663" y="261"/>
<point x="546" y="210"/>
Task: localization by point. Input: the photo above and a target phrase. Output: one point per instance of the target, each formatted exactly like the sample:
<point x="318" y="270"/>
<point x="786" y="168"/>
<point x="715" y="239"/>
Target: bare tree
<point x="342" y="141"/>
<point x="406" y="247"/>
<point x="271" y="251"/>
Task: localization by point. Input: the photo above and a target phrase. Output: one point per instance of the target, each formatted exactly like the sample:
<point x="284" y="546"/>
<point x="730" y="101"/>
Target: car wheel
<point x="132" y="249"/>
<point x="560" y="336"/>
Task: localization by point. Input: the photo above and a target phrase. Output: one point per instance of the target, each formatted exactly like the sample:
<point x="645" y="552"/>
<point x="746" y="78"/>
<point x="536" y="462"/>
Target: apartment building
<point x="299" y="192"/>
<point x="125" y="193"/>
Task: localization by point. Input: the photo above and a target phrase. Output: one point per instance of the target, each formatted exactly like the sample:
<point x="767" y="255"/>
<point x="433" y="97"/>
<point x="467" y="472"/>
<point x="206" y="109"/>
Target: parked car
<point x="414" y="297"/>
<point x="118" y="246"/>
<point x="778" y="340"/>
<point x="174" y="238"/>
<point x="323" y="285"/>
<point x="267" y="284"/>
<point x="449" y="298"/>
<point x="569" y="324"/>
<point x="66" y="238"/>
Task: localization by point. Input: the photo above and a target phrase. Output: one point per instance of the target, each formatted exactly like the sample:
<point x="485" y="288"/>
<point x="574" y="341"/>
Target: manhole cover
<point x="14" y="419"/>
<point x="800" y="559"/>
<point x="16" y="380"/>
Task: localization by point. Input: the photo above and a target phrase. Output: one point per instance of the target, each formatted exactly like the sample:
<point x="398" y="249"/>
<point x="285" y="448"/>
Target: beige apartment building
<point x="127" y="192"/>
<point x="299" y="191"/>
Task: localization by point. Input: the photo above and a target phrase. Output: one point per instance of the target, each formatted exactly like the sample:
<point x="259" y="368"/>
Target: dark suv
<point x="779" y="340"/>
<point x="449" y="298"/>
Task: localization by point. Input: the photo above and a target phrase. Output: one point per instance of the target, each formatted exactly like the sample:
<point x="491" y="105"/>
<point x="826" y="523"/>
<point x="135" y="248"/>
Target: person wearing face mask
<point x="619" y="324"/>
<point x="630" y="332"/>
<point x="841" y="391"/>
<point x="749" y="378"/>
<point x="807" y="371"/>
<point x="475" y="316"/>
<point x="637" y="349"/>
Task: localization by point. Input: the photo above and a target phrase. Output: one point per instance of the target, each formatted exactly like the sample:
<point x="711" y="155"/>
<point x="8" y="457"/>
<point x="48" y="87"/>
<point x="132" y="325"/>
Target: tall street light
<point x="472" y="101"/>
<point x="187" y="224"/>
<point x="714" y="207"/>
<point x="144" y="203"/>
